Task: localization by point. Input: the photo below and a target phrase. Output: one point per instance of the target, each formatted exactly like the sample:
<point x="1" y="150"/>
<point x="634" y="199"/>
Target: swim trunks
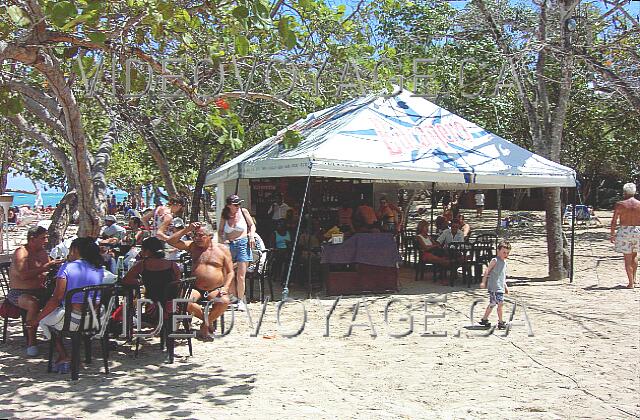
<point x="41" y="294"/>
<point x="628" y="239"/>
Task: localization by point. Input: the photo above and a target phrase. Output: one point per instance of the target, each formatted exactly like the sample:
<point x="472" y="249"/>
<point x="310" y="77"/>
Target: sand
<point x="582" y="362"/>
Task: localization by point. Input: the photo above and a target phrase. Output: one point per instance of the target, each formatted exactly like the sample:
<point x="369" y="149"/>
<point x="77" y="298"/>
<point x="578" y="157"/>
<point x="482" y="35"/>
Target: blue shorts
<point x="496" y="298"/>
<point x="240" y="251"/>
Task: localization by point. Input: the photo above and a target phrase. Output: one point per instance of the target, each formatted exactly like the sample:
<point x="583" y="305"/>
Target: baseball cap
<point x="110" y="218"/>
<point x="234" y="199"/>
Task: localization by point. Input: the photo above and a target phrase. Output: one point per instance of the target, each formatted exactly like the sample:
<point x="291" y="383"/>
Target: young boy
<point x="496" y="275"/>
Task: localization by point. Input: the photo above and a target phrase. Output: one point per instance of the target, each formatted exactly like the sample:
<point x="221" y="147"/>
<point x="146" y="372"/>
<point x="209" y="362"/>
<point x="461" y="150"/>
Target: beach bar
<point x="372" y="146"/>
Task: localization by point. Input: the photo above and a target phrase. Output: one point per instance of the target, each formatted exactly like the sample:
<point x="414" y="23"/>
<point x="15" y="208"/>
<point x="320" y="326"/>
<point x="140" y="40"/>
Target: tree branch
<point x="190" y="91"/>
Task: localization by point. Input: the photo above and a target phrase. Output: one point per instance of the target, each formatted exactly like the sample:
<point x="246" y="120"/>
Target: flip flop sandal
<point x="62" y="367"/>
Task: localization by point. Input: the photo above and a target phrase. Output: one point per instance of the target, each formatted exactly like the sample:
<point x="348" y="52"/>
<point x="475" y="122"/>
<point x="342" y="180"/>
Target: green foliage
<point x="291" y="139"/>
<point x="10" y="103"/>
<point x="18" y="16"/>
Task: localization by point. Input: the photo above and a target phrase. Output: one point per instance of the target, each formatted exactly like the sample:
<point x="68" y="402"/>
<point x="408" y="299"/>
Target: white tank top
<point x="240" y="226"/>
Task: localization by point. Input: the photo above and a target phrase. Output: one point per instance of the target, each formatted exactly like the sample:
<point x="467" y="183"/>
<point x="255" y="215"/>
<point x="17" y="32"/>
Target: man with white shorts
<point x="626" y="216"/>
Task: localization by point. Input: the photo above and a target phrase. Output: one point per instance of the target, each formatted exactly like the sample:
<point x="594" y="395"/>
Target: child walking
<point x="495" y="280"/>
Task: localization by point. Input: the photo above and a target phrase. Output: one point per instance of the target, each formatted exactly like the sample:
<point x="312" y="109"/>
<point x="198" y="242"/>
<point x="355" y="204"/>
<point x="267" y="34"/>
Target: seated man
<point x="29" y="266"/>
<point x="112" y="234"/>
<point x="212" y="268"/>
<point x="453" y="234"/>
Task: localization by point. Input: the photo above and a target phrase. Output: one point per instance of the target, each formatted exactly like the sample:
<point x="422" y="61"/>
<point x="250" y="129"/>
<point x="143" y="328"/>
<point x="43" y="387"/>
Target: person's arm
<point x="132" y="275"/>
<point x="139" y="236"/>
<point x="506" y="288"/>
<point x="442" y="237"/>
<point x="614" y="224"/>
<point x="221" y="230"/>
<point x="20" y="261"/>
<point x="424" y="246"/>
<point x="53" y="302"/>
<point x="164" y="225"/>
<point x="176" y="241"/>
<point x="485" y="276"/>
<point x="227" y="266"/>
<point x="146" y="218"/>
<point x="251" y="227"/>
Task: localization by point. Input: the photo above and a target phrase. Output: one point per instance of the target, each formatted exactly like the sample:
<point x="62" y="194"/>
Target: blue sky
<point x="19" y="182"/>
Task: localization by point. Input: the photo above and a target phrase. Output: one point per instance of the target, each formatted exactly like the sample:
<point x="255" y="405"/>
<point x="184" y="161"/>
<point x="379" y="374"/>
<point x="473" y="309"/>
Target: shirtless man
<point x="627" y="239"/>
<point x="212" y="268"/>
<point x="29" y="266"/>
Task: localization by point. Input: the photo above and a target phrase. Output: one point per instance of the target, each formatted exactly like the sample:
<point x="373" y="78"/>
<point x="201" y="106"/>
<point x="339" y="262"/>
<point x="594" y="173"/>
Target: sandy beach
<point x="582" y="361"/>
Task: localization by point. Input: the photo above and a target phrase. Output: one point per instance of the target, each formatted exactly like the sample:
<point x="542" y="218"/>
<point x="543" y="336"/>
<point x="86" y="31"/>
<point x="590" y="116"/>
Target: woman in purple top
<point x="84" y="268"/>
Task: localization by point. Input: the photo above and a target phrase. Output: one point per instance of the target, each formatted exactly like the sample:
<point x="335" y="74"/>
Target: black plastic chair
<point x="463" y="257"/>
<point x="482" y="253"/>
<point x="268" y="272"/>
<point x="177" y="290"/>
<point x="93" y="317"/>
<point x="421" y="266"/>
<point x="254" y="273"/>
<point x="487" y="238"/>
<point x="187" y="264"/>
<point x="9" y="310"/>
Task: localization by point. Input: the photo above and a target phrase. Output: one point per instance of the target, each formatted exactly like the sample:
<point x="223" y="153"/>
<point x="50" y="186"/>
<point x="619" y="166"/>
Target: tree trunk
<point x="197" y="191"/>
<point x="61" y="218"/>
<point x="4" y="169"/>
<point x="147" y="196"/>
<point x="555" y="249"/>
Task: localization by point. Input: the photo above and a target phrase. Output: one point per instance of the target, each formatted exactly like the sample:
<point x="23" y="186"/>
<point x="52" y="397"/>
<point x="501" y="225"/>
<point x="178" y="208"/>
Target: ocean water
<point x="49" y="198"/>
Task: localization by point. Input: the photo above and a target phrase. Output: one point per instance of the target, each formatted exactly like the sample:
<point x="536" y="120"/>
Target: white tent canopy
<point x="400" y="138"/>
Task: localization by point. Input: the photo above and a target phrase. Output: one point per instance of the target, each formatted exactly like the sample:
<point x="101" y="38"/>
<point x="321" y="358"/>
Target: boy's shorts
<point x="495" y="298"/>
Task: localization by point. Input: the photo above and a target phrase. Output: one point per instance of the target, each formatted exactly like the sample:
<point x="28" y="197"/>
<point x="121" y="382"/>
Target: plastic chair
<point x="268" y="272"/>
<point x="422" y="266"/>
<point x="179" y="290"/>
<point x="8" y="310"/>
<point x="93" y="318"/>
<point x="582" y="214"/>
<point x="463" y="258"/>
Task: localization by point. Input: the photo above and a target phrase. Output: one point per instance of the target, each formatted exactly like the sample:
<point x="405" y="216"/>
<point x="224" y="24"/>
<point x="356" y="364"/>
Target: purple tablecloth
<point x="377" y="249"/>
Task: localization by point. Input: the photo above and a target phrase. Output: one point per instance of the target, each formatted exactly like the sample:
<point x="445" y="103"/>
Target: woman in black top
<point x="153" y="270"/>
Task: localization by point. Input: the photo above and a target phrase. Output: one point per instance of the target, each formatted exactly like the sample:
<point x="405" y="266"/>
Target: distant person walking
<point x="479" y="197"/>
<point x="626" y="217"/>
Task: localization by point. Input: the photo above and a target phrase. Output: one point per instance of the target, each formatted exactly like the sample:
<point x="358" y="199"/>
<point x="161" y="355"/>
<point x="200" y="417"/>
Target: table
<point x="364" y="263"/>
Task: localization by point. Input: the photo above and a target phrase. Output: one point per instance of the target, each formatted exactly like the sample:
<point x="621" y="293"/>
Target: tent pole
<point x="573" y="230"/>
<point x="309" y="232"/>
<point x="433" y="203"/>
<point x="499" y="202"/>
<point x="285" y="290"/>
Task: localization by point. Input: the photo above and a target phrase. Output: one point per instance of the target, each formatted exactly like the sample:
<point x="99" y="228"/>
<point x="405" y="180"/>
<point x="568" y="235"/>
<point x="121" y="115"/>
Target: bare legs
<point x="237" y="286"/>
<point x="487" y="312"/>
<point x="215" y="310"/>
<point x="32" y="306"/>
<point x="631" y="266"/>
